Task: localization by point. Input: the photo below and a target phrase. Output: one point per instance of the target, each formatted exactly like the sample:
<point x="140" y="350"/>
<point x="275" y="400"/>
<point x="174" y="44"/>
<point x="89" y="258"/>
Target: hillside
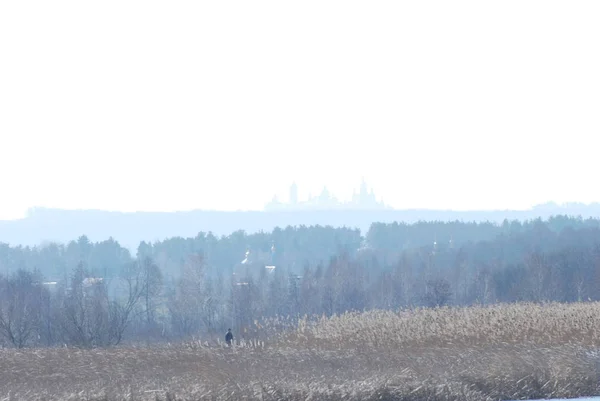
<point x="43" y="225"/>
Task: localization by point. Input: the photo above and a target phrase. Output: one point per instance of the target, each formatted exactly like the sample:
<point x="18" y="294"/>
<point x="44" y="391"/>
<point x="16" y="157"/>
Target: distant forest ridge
<point x="129" y="229"/>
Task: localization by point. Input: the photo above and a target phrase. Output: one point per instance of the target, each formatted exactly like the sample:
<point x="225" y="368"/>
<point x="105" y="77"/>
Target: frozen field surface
<point x="570" y="399"/>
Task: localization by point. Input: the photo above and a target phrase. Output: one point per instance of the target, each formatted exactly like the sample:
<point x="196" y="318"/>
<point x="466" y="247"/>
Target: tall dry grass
<point x="525" y="323"/>
<point x="479" y="353"/>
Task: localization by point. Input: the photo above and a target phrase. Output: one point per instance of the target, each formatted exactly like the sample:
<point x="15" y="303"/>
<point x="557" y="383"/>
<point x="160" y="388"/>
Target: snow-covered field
<point x="571" y="399"/>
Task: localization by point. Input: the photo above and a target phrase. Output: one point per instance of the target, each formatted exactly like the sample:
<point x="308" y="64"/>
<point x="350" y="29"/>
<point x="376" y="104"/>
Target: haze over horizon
<point x="150" y="106"/>
<point x="314" y="202"/>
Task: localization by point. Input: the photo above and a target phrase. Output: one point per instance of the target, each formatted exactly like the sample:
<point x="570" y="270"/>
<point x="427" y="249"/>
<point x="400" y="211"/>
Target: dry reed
<point x="501" y="352"/>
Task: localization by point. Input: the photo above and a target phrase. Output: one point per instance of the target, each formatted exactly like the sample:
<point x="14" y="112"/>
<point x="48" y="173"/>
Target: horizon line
<point x="32" y="210"/>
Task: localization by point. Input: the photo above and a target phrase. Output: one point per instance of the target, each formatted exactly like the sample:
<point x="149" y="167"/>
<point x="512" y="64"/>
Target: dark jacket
<point x="229" y="337"/>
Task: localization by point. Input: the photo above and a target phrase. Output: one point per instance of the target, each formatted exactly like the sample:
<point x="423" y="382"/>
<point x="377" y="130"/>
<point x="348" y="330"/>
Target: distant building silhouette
<point x="364" y="200"/>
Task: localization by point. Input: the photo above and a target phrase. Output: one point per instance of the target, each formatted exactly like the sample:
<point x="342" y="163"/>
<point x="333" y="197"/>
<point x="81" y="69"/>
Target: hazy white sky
<point x="167" y="105"/>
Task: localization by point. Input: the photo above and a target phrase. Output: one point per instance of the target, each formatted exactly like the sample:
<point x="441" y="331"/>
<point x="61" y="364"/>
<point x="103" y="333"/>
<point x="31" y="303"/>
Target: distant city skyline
<point x="364" y="199"/>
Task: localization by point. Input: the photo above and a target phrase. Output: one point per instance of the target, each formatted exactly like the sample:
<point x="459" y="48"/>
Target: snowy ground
<point x="572" y="399"/>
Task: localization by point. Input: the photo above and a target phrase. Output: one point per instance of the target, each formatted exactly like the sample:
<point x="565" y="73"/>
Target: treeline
<point x="291" y="246"/>
<point x="98" y="294"/>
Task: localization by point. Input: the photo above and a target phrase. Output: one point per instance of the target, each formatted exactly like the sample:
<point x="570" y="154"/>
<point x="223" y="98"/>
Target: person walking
<point x="229" y="337"/>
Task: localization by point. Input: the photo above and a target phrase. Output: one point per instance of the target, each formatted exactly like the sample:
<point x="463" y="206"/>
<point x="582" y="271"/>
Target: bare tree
<point x="85" y="311"/>
<point x="186" y="304"/>
<point x="537" y="268"/>
<point x="212" y="305"/>
<point x="136" y="278"/>
<point x="437" y="292"/>
<point x="20" y="308"/>
<point x="483" y="285"/>
<point x="90" y="318"/>
<point x="152" y="286"/>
